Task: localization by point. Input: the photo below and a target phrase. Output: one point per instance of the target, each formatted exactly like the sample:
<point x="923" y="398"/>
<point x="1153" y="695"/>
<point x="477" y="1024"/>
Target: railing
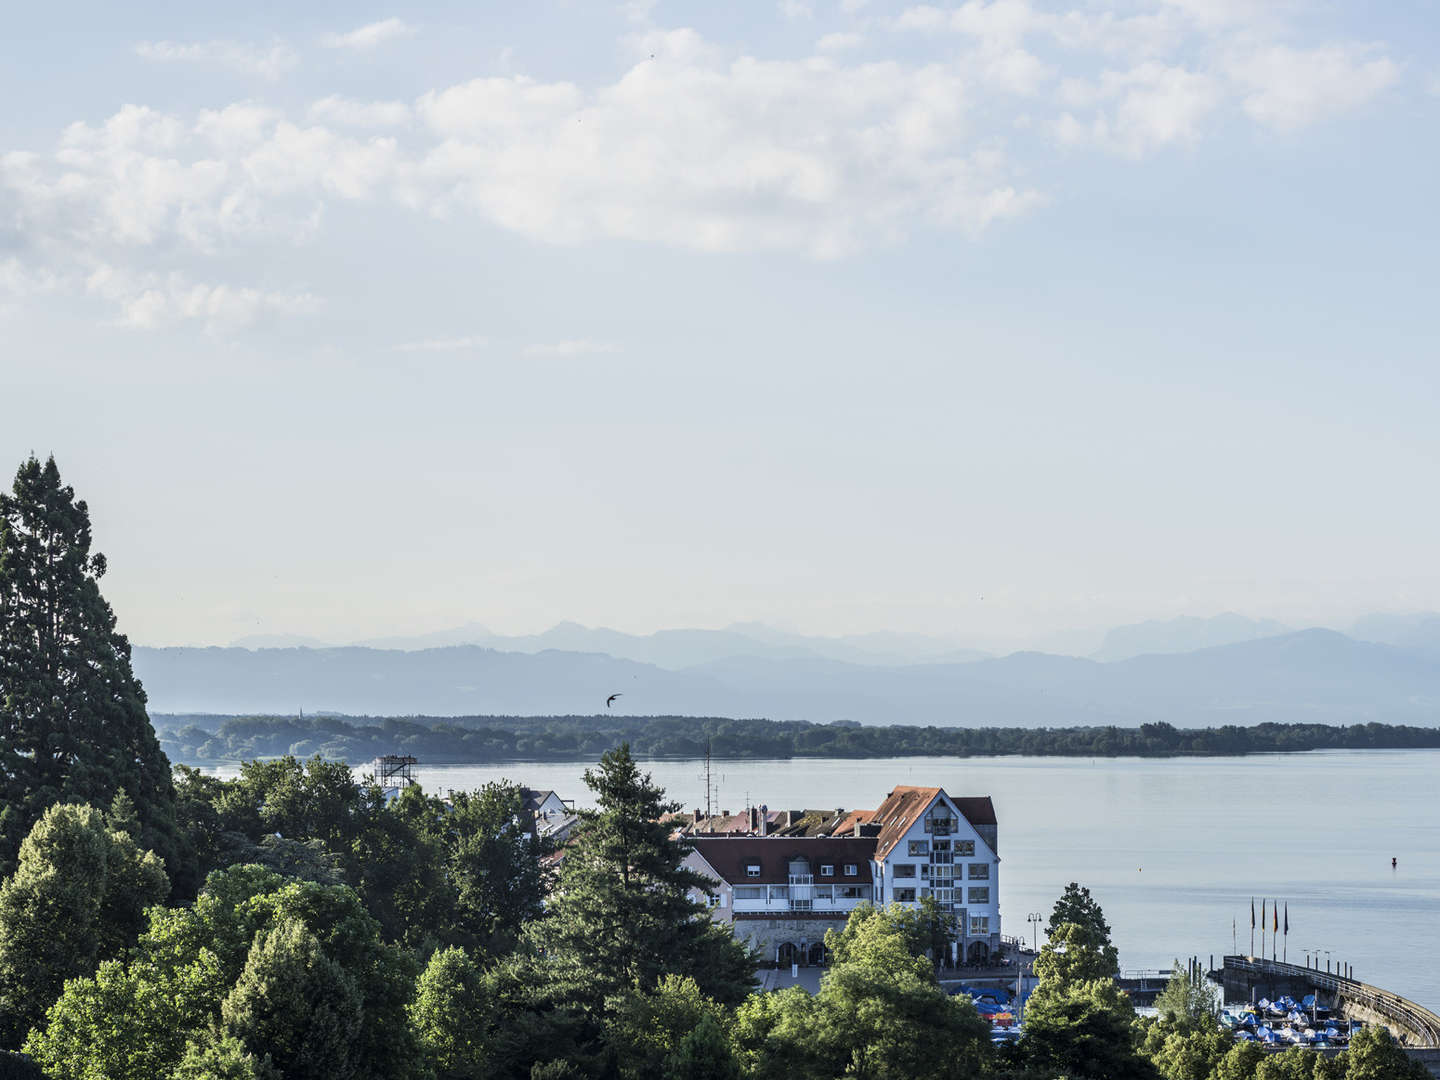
<point x="1424" y="1023"/>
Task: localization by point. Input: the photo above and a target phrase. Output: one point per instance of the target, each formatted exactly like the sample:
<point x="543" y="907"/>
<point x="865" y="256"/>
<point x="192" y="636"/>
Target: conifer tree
<point x="73" y="726"/>
<point x="622" y="909"/>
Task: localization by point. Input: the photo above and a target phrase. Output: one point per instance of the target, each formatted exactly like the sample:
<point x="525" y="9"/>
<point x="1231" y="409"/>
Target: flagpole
<point x="1263" y="921"/>
<point x="1287" y="931"/>
<point x="1252" y="926"/>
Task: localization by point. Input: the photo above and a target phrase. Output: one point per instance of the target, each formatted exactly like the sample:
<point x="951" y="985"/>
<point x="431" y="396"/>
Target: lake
<point x="1172" y="848"/>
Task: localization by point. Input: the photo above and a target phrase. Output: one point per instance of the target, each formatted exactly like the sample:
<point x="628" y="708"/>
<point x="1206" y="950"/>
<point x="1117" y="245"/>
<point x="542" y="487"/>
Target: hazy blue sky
<point x="989" y="319"/>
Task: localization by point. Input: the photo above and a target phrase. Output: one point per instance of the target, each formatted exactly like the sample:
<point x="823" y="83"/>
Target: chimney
<point x="764" y="820"/>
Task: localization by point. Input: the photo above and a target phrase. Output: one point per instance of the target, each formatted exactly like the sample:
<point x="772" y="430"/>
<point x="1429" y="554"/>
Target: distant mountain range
<point x="1309" y="675"/>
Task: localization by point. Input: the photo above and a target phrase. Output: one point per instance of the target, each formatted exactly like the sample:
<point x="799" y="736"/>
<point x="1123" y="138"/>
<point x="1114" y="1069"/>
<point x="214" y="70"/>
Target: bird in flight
<point x="611" y="699"/>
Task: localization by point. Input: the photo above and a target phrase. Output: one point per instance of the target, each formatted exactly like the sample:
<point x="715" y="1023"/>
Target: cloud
<point x="370" y="36"/>
<point x="361" y="114"/>
<point x="457" y="344"/>
<point x="839" y="42"/>
<point x="795" y="10"/>
<point x="571" y="348"/>
<point x="152" y="301"/>
<point x="268" y="62"/>
<point x="1136" y="111"/>
<point x="1289" y="88"/>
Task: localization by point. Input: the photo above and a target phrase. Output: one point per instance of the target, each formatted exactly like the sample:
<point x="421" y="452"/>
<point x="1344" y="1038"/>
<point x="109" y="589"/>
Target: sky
<point x="989" y="319"/>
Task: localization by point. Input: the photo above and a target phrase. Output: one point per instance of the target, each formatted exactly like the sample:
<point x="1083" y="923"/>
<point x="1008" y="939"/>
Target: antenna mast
<point x="709" y="785"/>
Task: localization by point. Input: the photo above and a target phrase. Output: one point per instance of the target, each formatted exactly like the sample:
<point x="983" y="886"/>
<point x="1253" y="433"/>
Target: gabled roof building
<point x="781" y="889"/>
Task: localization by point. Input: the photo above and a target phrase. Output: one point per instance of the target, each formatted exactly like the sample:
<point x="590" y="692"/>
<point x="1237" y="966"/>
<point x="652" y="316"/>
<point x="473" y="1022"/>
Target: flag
<point x="1252" y="913"/>
<point x="1287" y="918"/>
<point x="1263" y="920"/>
<point x="1275" y="914"/>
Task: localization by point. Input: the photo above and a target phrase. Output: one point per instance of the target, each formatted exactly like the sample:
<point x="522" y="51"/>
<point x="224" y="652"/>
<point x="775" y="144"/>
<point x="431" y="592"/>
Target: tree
<point x="926" y="930"/>
<point x="773" y="1036"/>
<point x="450" y="1014"/>
<point x="703" y="1054"/>
<point x="1374" y="1054"/>
<point x="880" y="1013"/>
<point x="223" y="1058"/>
<point x="1078" y="908"/>
<point x="77" y="897"/>
<point x="1188" y="1001"/>
<point x="495" y="866"/>
<point x="296" y="1006"/>
<point x="622" y="909"/>
<point x="646" y="1031"/>
<point x="73" y="727"/>
<point x="1083" y="1029"/>
<point x="221" y="960"/>
<point x="1070" y="956"/>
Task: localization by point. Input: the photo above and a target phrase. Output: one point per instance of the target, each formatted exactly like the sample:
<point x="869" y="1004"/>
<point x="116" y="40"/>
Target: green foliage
<point x="1071" y="955"/>
<point x="1239" y="1063"/>
<point x="1374" y="1054"/>
<point x="703" y="1054"/>
<point x="73" y="727"/>
<point x="223" y="1058"/>
<point x="646" y="1031"/>
<point x="1183" y="1049"/>
<point x="494" y="866"/>
<point x="295" y="1005"/>
<point x="569" y="738"/>
<point x="215" y="964"/>
<point x="77" y="897"/>
<point x="1188" y="1001"/>
<point x="926" y="930"/>
<point x="450" y="1014"/>
<point x="622" y="910"/>
<point x="1083" y="1029"/>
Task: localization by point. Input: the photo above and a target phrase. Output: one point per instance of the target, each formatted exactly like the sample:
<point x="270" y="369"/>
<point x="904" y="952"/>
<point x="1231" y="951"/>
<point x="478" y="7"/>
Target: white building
<point x="781" y="893"/>
<point x="930" y="844"/>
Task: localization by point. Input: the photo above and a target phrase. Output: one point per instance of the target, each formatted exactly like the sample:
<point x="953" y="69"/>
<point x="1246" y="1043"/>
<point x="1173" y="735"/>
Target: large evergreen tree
<point x="622" y="909"/>
<point x="73" y="726"/>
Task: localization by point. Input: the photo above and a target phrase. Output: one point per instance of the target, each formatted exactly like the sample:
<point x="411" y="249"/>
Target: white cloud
<point x="839" y="42"/>
<point x="1291" y="88"/>
<point x="152" y="301"/>
<point x="370" y="36"/>
<point x="362" y="114"/>
<point x="1143" y="109"/>
<point x="457" y="344"/>
<point x="795" y="10"/>
<point x="268" y="62"/>
<point x="571" y="348"/>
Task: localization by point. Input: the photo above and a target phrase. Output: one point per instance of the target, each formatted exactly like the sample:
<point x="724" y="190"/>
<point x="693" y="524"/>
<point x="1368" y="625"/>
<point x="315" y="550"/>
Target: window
<point x="779" y="892"/>
<point x="940" y="826"/>
<point x="944" y="896"/>
<point x="925" y="870"/>
<point x="980" y="896"/>
<point x="749" y="892"/>
<point x="905" y="896"/>
<point x="827" y="870"/>
<point x="852" y="892"/>
<point x="979" y="871"/>
<point x="964" y="847"/>
<point x="824" y="892"/>
<point x="940" y="845"/>
<point x="919" y="847"/>
<point x="851" y="869"/>
<point x="752" y="869"/>
<point x="904" y="869"/>
<point x="942" y="882"/>
<point x="979" y="925"/>
<point x="711" y="900"/>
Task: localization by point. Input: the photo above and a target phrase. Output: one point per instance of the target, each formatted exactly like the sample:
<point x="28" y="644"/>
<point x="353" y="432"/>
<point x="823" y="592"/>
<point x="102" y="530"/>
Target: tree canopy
<point x="73" y="727"/>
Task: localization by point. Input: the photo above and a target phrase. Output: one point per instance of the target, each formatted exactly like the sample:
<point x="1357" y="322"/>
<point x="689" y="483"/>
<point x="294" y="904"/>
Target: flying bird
<point x="611" y="699"/>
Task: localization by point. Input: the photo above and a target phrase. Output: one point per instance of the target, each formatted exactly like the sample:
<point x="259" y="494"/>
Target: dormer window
<point x="851" y="869"/>
<point x="826" y="870"/>
<point x="752" y="869"/>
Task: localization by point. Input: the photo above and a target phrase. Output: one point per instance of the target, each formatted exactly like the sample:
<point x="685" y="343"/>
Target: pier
<point x="1418" y="1029"/>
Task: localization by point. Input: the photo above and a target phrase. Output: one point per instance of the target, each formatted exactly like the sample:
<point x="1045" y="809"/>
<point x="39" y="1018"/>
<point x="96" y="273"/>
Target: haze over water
<point x="1173" y="848"/>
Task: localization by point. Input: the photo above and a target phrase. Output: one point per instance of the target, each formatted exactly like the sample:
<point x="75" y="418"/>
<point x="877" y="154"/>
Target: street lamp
<point x="1035" y="919"/>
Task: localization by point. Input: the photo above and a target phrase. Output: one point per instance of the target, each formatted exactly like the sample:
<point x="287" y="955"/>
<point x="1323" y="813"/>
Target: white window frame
<point x="851" y="869"/>
<point x="827" y="870"/>
<point x="752" y="869"/>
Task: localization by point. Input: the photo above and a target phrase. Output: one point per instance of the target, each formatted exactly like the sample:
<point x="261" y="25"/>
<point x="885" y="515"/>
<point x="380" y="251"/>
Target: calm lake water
<point x="1173" y="849"/>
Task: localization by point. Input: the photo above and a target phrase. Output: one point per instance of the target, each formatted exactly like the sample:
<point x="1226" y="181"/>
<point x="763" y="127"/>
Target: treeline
<point x="481" y="739"/>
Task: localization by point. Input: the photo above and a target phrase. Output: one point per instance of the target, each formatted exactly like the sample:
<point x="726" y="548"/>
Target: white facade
<point x="943" y="856"/>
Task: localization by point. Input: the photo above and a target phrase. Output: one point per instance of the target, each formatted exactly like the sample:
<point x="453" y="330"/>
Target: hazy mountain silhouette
<point x="1419" y="632"/>
<point x="1184" y="634"/>
<point x="1315" y="675"/>
<point x="674" y="649"/>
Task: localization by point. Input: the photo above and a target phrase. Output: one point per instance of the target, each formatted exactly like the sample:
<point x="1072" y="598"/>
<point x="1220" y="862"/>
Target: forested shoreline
<point x="209" y="740"/>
